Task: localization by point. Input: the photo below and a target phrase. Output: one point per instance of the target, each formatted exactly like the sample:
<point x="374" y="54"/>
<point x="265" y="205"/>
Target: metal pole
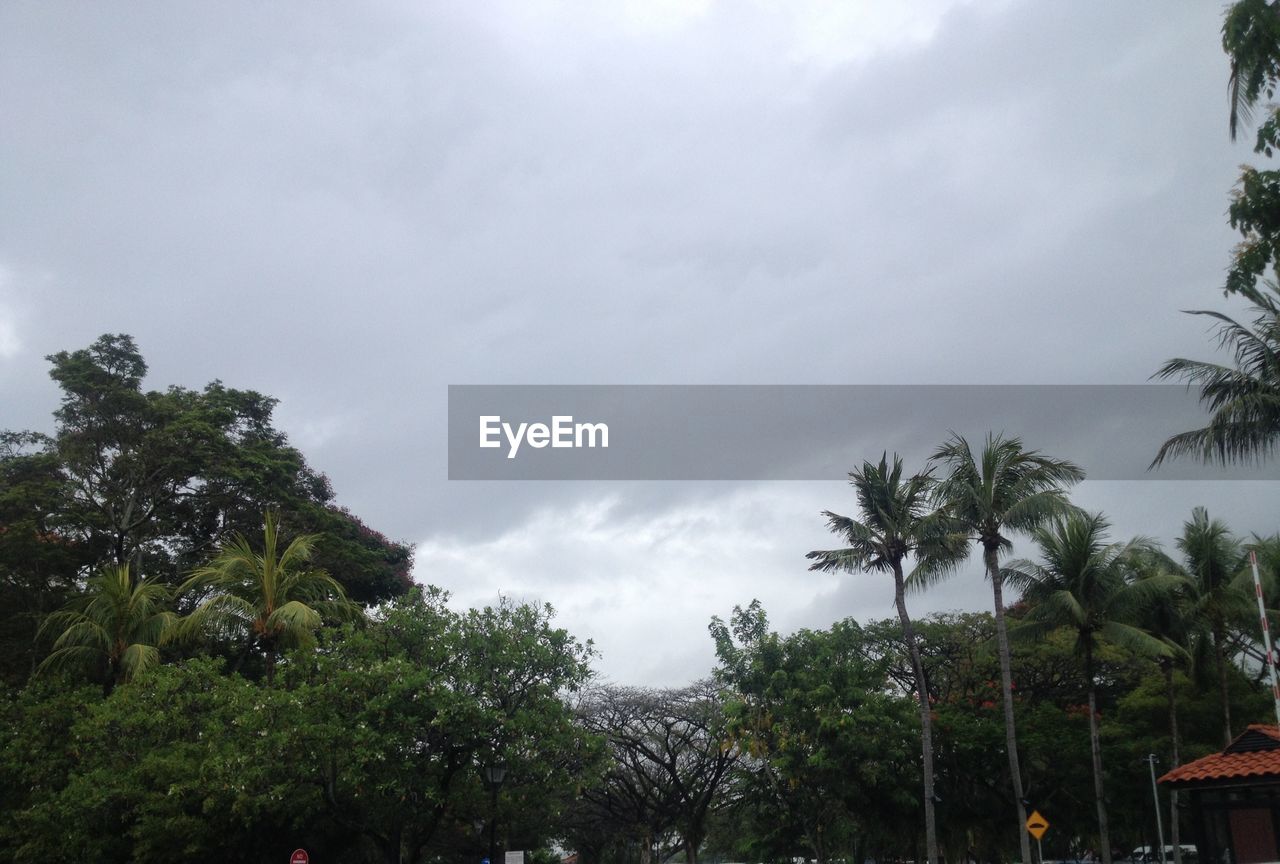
<point x="1039" y="852"/>
<point x="1151" y="761"/>
<point x="493" y="822"/>
<point x="1266" y="631"/>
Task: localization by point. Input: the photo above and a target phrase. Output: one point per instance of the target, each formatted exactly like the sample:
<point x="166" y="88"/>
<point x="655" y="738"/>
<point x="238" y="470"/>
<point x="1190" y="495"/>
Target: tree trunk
<point x="1223" y="691"/>
<point x="1095" y="744"/>
<point x="1174" y="837"/>
<point x="1006" y="687"/>
<point x="690" y="851"/>
<point x="926" y="720"/>
<point x="646" y="849"/>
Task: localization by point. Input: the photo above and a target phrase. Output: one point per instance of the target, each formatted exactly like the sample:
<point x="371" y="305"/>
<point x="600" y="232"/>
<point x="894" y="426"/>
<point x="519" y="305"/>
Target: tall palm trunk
<point x="1095" y="744"/>
<point x="1177" y="760"/>
<point x="990" y="555"/>
<point x="1223" y="691"/>
<point x="926" y="718"/>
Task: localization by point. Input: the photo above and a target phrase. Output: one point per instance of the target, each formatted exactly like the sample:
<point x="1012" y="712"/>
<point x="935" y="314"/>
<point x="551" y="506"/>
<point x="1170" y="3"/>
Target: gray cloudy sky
<point x="352" y="206"/>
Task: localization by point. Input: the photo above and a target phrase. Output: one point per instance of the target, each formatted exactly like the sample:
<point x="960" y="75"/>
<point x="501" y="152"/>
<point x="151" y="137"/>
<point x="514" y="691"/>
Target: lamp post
<point x="494" y="774"/>
<point x="1155" y="797"/>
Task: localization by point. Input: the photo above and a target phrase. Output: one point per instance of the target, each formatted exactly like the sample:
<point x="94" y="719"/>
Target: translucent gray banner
<point x="807" y="432"/>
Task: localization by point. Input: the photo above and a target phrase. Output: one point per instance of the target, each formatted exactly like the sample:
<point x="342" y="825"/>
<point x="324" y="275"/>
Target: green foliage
<point x="114" y="629"/>
<point x="830" y="766"/>
<point x="401" y="717"/>
<point x="1243" y="397"/>
<point x="160" y="479"/>
<point x="39" y="560"/>
<point x="367" y="750"/>
<point x="1251" y="38"/>
<point x="272" y="600"/>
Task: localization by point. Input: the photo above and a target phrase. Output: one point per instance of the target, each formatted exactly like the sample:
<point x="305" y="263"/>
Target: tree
<point x="827" y="740"/>
<point x="274" y="600"/>
<point x="1007" y="489"/>
<point x="1175" y="618"/>
<point x="895" y="521"/>
<point x="115" y="628"/>
<point x="1243" y="397"/>
<point x="400" y="717"/>
<point x="41" y="564"/>
<point x="1214" y="561"/>
<point x="163" y="477"/>
<point x="670" y="754"/>
<point x="1084" y="585"/>
<point x="1251" y="39"/>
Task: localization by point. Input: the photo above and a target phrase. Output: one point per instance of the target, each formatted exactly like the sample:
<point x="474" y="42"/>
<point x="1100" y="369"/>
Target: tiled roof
<point x="1255" y="753"/>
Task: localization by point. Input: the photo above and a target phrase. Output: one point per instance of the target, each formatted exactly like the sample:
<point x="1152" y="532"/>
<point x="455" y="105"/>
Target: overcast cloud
<point x="352" y="206"/>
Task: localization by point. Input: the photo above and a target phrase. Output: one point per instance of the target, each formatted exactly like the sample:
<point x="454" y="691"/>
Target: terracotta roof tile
<point x="1260" y="759"/>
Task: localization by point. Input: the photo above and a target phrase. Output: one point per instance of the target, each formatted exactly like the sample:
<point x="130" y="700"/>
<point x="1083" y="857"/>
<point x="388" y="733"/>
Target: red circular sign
<point x="299" y="856"/>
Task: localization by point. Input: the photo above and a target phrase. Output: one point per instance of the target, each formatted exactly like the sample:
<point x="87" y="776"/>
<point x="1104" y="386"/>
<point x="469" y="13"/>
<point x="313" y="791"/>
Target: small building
<point x="1235" y="799"/>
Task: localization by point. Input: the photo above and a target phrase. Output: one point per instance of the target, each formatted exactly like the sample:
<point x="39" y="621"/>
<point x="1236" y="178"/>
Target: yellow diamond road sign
<point x="1037" y="824"/>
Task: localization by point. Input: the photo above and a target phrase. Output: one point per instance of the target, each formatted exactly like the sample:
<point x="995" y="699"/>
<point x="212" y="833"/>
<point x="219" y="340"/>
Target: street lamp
<point x="494" y="774"/>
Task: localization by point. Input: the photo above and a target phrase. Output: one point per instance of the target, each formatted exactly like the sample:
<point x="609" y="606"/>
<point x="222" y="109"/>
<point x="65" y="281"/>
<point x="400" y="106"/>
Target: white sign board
<point x="516" y="857"/>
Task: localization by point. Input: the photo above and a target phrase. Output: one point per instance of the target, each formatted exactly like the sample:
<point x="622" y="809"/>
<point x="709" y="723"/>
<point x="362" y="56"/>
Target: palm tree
<point x="1243" y="398"/>
<point x="1084" y="584"/>
<point x="274" y="599"/>
<point x="1009" y="489"/>
<point x="1214" y="561"/>
<point x="895" y="522"/>
<point x="116" y="626"/>
<point x="1176" y="618"/>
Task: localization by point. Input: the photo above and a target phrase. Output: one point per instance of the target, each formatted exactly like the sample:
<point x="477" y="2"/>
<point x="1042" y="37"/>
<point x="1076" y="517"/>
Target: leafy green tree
<point x="400" y="718"/>
<point x="165" y="477"/>
<point x="114" y="629"/>
<point x="896" y="522"/>
<point x="40" y="561"/>
<point x="367" y="751"/>
<point x="1251" y="39"/>
<point x="1243" y="397"/>
<point x="1006" y="489"/>
<point x="826" y="739"/>
<point x="273" y="600"/>
<point x="191" y="764"/>
<point x="37" y="755"/>
<point x="1084" y="584"/>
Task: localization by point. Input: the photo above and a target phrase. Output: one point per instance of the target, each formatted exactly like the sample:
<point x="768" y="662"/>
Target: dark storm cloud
<point x="353" y="207"/>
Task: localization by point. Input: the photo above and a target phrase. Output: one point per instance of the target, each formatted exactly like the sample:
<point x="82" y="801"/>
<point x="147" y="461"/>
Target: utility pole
<point x="1151" y="762"/>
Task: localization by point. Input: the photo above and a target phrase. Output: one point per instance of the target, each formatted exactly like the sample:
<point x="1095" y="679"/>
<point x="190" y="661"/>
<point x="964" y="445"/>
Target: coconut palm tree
<point x="116" y="626"/>
<point x="1214" y="561"/>
<point x="896" y="521"/>
<point x="1243" y="397"/>
<point x="1007" y="489"/>
<point x="275" y="600"/>
<point x="1084" y="584"/>
<point x="1176" y="618"/>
